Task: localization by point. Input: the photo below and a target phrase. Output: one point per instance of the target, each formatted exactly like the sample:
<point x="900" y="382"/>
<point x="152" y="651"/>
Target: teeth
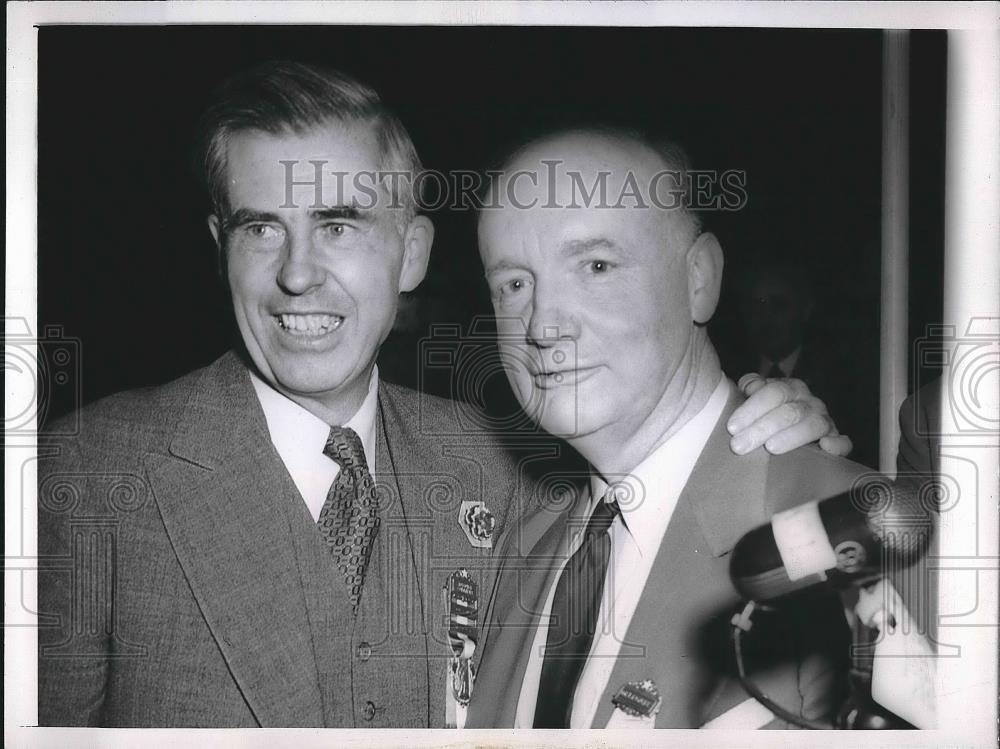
<point x="310" y="324"/>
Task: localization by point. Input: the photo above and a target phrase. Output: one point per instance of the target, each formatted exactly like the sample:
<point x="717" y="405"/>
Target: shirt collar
<point x="647" y="494"/>
<point x="296" y="431"/>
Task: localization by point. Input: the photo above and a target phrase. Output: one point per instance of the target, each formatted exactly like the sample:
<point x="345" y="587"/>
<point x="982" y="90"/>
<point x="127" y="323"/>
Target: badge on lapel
<point x="636" y="705"/>
<point x="477" y="522"/>
<point x="461" y="598"/>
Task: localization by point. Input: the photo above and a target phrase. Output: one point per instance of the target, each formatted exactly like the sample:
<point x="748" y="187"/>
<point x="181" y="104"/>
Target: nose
<point x="300" y="272"/>
<point x="551" y="318"/>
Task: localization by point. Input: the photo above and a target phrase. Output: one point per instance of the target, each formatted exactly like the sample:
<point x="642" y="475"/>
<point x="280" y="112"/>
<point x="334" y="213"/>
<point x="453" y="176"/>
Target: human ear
<point x="417" y="241"/>
<point x="215" y="227"/>
<point x="704" y="262"/>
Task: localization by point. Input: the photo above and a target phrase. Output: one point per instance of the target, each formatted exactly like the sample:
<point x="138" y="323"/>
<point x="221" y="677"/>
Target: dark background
<point x="126" y="263"/>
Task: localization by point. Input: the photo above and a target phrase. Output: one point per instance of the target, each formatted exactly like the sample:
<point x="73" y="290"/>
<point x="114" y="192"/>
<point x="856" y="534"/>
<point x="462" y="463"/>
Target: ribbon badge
<point x="637" y="704"/>
<point x="461" y="597"/>
<point x="477" y="522"/>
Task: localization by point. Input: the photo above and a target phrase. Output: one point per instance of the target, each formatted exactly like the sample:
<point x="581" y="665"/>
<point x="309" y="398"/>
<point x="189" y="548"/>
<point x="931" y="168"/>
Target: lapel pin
<point x="461" y="595"/>
<point x="477" y="522"/>
<point x="638" y="699"/>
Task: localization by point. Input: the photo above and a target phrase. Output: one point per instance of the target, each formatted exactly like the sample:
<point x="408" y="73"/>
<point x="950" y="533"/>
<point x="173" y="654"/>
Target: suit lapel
<point x="219" y="493"/>
<point x="531" y="554"/>
<point x="688" y="587"/>
<point x="400" y="550"/>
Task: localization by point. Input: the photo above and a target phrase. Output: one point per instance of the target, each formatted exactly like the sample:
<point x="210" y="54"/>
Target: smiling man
<point x="283" y="559"/>
<point x="266" y="541"/>
<point x="315" y="286"/>
<point x="606" y="302"/>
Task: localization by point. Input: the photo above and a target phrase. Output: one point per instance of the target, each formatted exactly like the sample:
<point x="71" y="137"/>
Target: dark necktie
<point x="573" y="621"/>
<point x="349" y="519"/>
<point x="775" y="372"/>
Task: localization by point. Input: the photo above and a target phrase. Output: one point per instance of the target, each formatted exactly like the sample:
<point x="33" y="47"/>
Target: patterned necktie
<point x="349" y="519"/>
<point x="573" y="620"/>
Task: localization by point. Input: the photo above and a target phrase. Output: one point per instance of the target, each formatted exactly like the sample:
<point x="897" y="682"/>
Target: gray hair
<point x="288" y="97"/>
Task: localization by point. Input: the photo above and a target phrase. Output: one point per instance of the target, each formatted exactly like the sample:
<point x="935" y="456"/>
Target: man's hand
<point x="782" y="415"/>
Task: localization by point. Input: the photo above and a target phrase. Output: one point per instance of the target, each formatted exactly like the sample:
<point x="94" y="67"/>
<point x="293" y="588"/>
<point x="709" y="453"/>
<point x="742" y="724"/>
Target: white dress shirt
<point x="300" y="436"/>
<point x="647" y="497"/>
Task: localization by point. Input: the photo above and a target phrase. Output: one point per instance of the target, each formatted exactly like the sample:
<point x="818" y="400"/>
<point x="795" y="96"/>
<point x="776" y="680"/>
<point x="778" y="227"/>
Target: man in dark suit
<point x="267" y="541"/>
<point x="607" y="301"/>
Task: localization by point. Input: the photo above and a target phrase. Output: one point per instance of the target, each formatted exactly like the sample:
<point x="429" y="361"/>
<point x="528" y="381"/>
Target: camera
<point x="39" y="371"/>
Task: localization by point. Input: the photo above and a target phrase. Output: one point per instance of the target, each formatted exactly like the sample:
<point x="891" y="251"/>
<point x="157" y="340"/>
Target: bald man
<point x="602" y="282"/>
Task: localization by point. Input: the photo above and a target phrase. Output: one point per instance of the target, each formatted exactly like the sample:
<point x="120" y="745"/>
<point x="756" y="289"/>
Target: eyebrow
<point x="341" y="212"/>
<point x="503" y="265"/>
<point x="247" y="216"/>
<point x="583" y="246"/>
<point x="244" y="216"/>
<point x="573" y="248"/>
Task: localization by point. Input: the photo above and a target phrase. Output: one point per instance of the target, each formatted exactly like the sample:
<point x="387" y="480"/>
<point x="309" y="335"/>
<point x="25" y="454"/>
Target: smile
<point x="562" y="378"/>
<point x="309" y="325"/>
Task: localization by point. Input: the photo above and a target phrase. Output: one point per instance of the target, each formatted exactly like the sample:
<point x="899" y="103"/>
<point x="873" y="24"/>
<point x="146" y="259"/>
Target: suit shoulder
<point x="808" y="474"/>
<point x="130" y="418"/>
<point x="815" y="459"/>
<point x="919" y="425"/>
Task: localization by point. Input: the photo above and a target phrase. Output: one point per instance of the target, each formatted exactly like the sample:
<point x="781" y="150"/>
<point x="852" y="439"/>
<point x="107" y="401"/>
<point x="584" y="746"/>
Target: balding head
<point x="601" y="169"/>
<point x="600" y="279"/>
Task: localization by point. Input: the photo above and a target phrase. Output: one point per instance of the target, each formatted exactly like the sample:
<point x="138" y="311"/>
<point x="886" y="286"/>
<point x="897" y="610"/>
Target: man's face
<point x="594" y="320"/>
<point x="315" y="280"/>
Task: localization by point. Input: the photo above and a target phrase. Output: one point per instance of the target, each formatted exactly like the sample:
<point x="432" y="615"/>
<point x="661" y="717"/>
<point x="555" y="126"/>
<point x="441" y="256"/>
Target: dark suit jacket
<point x="678" y="633"/>
<point x="918" y="462"/>
<point x="920" y="431"/>
<point x="187" y="585"/>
